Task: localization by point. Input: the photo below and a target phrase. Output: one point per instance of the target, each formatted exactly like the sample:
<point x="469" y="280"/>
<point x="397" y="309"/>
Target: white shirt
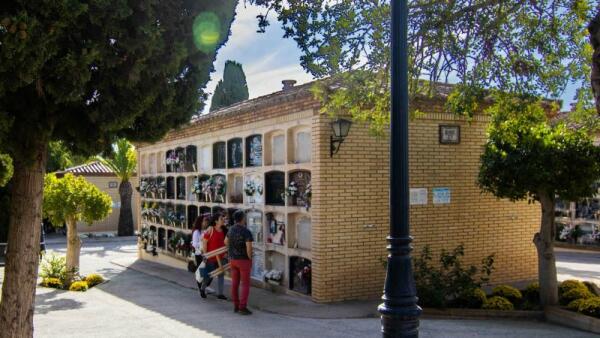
<point x="197" y="242"/>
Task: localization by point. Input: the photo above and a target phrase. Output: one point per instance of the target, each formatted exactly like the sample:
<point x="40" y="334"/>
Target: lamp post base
<point x="402" y="322"/>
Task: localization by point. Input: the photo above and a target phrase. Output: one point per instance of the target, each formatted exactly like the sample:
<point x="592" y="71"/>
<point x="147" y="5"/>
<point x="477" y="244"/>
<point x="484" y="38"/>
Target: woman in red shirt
<point x="213" y="239"/>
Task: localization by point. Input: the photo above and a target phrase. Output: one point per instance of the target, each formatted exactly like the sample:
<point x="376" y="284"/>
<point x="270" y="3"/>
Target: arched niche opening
<point x="219" y="188"/>
<point x="219" y="155"/>
<point x="299" y="144"/>
<point x="191" y="158"/>
<point x="300" y="275"/>
<point x="275" y="188"/>
<point x="276" y="228"/>
<point x="236" y="189"/>
<point x="192" y="214"/>
<point x="254" y="151"/>
<point x="235" y="153"/>
<point x="299" y="190"/>
<point x="170" y="188"/>
<point x="274" y="148"/>
<point x="181" y="188"/>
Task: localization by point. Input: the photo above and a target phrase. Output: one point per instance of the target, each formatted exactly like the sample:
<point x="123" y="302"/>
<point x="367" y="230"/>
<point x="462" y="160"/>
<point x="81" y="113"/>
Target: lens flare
<point x="207" y="31"/>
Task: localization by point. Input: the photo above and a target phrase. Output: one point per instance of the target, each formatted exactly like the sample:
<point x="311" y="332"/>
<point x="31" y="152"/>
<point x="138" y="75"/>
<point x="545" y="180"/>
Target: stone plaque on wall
<point x="303" y="147"/>
<point x="303" y="227"/>
<point x="258" y="265"/>
<point x="278" y="150"/>
<point x="254" y="224"/>
<point x="219" y="159"/>
<point x="274" y="188"/>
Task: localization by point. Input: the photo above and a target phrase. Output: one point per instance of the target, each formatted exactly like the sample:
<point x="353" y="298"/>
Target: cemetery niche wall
<point x="270" y="157"/>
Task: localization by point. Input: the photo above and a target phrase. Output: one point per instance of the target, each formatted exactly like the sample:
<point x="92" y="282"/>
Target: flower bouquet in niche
<point x="307" y="196"/>
<point x="273" y="277"/>
<point x="292" y="192"/>
<point x="197" y="189"/>
<point x="219" y="188"/>
<point x="173" y="162"/>
<point x="144" y="188"/>
<point x="207" y="189"/>
<point x="250" y="190"/>
<point x="162" y="189"/>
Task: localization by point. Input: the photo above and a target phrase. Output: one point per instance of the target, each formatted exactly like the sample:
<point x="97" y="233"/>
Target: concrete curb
<point x="63" y="240"/>
<point x="572" y="319"/>
<point x="576" y="247"/>
<point x="456" y="313"/>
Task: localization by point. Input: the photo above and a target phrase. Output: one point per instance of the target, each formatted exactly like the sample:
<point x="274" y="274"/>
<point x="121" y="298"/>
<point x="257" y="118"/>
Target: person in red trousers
<point x="239" y="244"/>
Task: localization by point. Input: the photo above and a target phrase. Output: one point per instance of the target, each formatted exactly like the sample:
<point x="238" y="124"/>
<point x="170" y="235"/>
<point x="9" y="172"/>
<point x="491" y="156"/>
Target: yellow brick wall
<point x="350" y="191"/>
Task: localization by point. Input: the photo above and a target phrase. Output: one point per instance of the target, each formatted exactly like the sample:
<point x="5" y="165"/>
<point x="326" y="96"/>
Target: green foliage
<point x="590" y="307"/>
<point x="532" y="293"/>
<point x="93" y="279"/>
<point x="576" y="304"/>
<point x="592" y="287"/>
<point x="439" y="285"/>
<point x="570" y="284"/>
<point x="123" y="161"/>
<point x="79" y="286"/>
<point x="6" y="169"/>
<point x="52" y="283"/>
<point x="74" y="198"/>
<point x="472" y="299"/>
<point x="508" y="292"/>
<point x="91" y="72"/>
<point x="60" y="158"/>
<point x="53" y="267"/>
<point x="573" y="294"/>
<point x="232" y="88"/>
<point x="498" y="303"/>
<point x="521" y="47"/>
<point x="525" y="156"/>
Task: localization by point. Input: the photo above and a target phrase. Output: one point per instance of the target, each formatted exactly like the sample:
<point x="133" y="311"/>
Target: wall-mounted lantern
<point x="340" y="129"/>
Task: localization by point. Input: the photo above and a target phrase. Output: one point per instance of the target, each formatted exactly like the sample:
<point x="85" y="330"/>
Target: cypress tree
<point x="232" y="88"/>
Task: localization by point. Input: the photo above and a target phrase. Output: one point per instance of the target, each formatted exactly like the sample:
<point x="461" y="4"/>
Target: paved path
<point x="134" y="304"/>
<point x="578" y="264"/>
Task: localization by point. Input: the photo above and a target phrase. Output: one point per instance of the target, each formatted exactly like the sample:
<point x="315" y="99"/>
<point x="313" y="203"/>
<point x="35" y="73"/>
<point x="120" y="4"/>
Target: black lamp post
<point x="399" y="311"/>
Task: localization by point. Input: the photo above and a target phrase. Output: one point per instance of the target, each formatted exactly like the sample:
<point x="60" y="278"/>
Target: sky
<point x="267" y="58"/>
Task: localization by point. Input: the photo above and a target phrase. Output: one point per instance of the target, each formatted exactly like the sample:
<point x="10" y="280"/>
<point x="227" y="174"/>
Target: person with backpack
<point x="213" y="239"/>
<point x="239" y="242"/>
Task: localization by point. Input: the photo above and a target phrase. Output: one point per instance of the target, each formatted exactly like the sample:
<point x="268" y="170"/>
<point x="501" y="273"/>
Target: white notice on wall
<point x="441" y="195"/>
<point x="418" y="196"/>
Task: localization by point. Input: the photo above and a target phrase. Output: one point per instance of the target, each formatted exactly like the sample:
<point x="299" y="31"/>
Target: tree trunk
<point x="125" y="214"/>
<point x="22" y="258"/>
<point x="544" y="242"/>
<point x="594" y="29"/>
<point x="73" y="249"/>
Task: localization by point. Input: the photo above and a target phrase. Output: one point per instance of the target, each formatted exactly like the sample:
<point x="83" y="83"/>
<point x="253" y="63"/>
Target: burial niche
<point x="181" y="188"/>
<point x="254" y="151"/>
<point x="275" y="188"/>
<point x="276" y="228"/>
<point x="170" y="188"/>
<point x="300" y="275"/>
<point x="236" y="153"/>
<point x="192" y="214"/>
<point x="219" y="155"/>
<point x="299" y="190"/>
<point x="191" y="158"/>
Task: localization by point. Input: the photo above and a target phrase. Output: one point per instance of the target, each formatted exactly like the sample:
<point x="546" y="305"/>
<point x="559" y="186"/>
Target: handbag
<point x="200" y="272"/>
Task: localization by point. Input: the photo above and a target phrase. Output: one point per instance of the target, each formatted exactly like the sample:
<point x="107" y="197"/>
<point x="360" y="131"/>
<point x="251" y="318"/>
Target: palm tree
<point x="123" y="164"/>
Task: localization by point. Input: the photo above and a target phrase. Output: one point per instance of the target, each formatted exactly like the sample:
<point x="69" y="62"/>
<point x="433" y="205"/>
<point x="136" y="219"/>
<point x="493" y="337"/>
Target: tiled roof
<point x="95" y="168"/>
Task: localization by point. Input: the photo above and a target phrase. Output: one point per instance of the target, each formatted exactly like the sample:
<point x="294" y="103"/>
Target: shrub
<point x="592" y="287"/>
<point x="498" y="303"/>
<point x="472" y="299"/>
<point x="531" y="293"/>
<point x="568" y="285"/>
<point x="508" y="292"/>
<point x="575" y="293"/>
<point x="574" y="305"/>
<point x="51" y="282"/>
<point x="78" y="286"/>
<point x="94" y="279"/>
<point x="53" y="266"/>
<point x="590" y="307"/>
<point x="440" y="285"/>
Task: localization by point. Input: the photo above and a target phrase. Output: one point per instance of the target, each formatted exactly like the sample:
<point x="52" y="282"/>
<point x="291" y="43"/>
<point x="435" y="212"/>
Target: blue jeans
<point x="220" y="279"/>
